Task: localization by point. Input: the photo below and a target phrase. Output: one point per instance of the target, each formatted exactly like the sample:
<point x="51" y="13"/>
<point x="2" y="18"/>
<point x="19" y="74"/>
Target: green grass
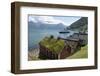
<point x="54" y="45"/>
<point x="82" y="53"/>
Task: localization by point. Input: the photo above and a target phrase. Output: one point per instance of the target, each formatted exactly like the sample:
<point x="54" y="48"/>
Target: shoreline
<point x="33" y="54"/>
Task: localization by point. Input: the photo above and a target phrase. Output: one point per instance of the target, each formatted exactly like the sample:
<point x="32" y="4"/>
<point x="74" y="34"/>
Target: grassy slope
<point x="83" y="53"/>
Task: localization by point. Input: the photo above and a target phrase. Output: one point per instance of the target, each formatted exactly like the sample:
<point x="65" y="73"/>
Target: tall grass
<point x="82" y="53"/>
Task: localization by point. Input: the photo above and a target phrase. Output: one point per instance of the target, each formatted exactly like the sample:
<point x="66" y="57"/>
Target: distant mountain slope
<point x="79" y="25"/>
<point x="39" y="25"/>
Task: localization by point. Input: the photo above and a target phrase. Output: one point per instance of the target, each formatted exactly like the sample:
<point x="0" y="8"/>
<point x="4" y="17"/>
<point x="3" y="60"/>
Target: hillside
<point x="83" y="53"/>
<point x="79" y="25"/>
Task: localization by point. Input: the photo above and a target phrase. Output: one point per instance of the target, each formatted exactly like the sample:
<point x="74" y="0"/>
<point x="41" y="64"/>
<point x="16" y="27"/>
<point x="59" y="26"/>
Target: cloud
<point x="46" y="19"/>
<point x="31" y="18"/>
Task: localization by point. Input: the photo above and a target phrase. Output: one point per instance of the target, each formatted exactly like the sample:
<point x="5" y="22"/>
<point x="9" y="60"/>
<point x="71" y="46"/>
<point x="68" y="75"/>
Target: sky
<point x="66" y="20"/>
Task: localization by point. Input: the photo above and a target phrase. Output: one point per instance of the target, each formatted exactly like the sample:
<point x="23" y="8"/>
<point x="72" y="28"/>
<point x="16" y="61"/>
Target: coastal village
<point x="61" y="48"/>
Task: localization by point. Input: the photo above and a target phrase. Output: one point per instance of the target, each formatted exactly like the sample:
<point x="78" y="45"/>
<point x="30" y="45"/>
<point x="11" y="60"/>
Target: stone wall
<point x="65" y="52"/>
<point x="47" y="53"/>
<point x="73" y="44"/>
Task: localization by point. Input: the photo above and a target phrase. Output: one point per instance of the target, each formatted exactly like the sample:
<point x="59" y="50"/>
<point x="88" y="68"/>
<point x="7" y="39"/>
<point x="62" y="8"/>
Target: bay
<point x="36" y="35"/>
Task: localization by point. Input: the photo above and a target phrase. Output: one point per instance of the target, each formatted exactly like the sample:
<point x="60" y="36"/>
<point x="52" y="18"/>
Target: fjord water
<point x="36" y="35"/>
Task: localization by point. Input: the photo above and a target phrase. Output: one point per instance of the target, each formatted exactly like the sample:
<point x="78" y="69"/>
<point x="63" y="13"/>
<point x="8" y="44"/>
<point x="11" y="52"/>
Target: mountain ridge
<point x="80" y="25"/>
<point x="39" y="25"/>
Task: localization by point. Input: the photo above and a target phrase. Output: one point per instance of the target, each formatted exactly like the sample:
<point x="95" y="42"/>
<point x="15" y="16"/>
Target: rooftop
<point x="54" y="45"/>
<point x="81" y="33"/>
<point x="70" y="39"/>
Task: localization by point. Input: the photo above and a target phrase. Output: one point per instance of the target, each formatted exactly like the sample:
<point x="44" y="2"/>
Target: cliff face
<point x="79" y="25"/>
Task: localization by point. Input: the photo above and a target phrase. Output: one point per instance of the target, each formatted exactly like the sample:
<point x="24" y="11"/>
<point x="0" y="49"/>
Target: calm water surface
<point x="35" y="36"/>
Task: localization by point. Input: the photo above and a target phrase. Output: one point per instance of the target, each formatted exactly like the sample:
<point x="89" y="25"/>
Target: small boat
<point x="64" y="32"/>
